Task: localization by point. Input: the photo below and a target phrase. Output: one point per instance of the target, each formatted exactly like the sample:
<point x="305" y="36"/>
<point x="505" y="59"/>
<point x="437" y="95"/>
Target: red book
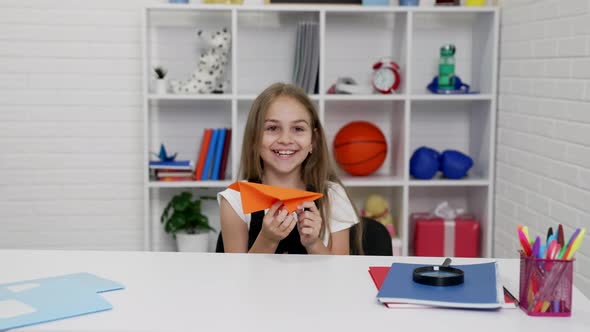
<point x="224" y="156"/>
<point x="203" y="153"/>
<point x="378" y="274"/>
<point x="176" y="178"/>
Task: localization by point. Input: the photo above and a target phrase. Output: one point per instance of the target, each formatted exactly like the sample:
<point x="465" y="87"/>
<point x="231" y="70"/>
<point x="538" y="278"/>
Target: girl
<point x="284" y="145"/>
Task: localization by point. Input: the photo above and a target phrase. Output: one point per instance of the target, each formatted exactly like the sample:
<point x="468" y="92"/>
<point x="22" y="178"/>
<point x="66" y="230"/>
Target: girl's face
<point x="287" y="136"/>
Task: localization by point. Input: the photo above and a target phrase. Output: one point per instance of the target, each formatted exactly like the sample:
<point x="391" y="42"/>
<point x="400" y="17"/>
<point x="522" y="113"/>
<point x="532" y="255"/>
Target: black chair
<point x="376" y="240"/>
<point x="219" y="246"/>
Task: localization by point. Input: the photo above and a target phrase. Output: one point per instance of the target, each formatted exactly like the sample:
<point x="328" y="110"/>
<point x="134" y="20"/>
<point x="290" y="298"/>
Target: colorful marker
<point x="525" y="230"/>
<point x="569" y="254"/>
<point x="524" y="243"/>
<point x="568" y="245"/>
<point x="560" y="238"/>
<point x="536" y="247"/>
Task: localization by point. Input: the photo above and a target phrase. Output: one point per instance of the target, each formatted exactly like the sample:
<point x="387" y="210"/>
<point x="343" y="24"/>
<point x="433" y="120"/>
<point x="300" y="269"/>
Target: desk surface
<point x="239" y="292"/>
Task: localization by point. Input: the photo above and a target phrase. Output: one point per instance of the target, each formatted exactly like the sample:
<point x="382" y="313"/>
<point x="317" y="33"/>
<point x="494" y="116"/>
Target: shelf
<point x="344" y="97"/>
<point x="171" y="96"/>
<point x="372" y="181"/>
<point x="419" y="97"/>
<point x="388" y="115"/>
<point x="462" y="125"/>
<point x="351" y="49"/>
<point x="328" y="97"/>
<point x="450" y="183"/>
<point x="326" y="8"/>
<point x="189" y="184"/>
<point x="473" y="35"/>
<point x="251" y="97"/>
<point x="351" y="40"/>
<point x="472" y="200"/>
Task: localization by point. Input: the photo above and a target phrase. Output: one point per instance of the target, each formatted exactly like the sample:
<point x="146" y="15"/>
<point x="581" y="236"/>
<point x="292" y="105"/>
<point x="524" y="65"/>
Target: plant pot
<point x="198" y="242"/>
<point x="161" y="86"/>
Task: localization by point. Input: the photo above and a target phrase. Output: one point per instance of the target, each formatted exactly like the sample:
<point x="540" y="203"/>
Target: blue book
<point x="177" y="164"/>
<point x="480" y="289"/>
<point x="218" y="154"/>
<point x="210" y="155"/>
<point x="36" y="301"/>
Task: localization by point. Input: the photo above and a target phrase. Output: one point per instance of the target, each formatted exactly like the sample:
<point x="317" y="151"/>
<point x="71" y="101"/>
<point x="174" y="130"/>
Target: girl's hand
<point x="277" y="223"/>
<point x="309" y="224"/>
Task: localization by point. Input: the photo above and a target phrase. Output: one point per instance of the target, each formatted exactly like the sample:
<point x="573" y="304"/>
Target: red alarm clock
<point x="386" y="77"/>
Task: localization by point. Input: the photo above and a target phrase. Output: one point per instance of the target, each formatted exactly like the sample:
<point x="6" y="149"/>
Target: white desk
<point x="217" y="292"/>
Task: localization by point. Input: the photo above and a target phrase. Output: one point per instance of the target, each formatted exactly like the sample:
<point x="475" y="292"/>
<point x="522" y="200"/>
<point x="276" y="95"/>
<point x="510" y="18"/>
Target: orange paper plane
<point x="257" y="197"/>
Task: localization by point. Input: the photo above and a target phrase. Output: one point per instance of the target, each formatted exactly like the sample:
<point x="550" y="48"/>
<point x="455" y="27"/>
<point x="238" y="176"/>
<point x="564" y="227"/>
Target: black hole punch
<point x="436" y="275"/>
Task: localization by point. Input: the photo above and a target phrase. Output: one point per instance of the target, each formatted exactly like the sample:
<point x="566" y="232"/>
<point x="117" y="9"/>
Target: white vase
<point x="161" y="86"/>
<point x="198" y="242"/>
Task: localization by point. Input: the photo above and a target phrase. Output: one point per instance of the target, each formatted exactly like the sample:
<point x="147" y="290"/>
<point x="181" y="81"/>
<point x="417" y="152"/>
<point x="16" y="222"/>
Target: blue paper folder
<point x="479" y="289"/>
<point x="42" y="300"/>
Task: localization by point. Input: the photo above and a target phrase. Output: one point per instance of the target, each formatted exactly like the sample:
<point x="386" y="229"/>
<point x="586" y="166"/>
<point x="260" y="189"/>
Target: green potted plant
<point x="182" y="218"/>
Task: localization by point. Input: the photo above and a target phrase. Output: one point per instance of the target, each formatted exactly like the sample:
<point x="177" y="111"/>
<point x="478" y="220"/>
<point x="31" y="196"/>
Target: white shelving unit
<point x="352" y="38"/>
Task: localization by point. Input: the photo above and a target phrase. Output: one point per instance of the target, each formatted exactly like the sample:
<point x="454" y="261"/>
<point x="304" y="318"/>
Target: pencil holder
<point x="546" y="286"/>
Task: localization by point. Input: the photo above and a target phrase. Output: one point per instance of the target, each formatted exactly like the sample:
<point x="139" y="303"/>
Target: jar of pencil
<point x="545" y="286"/>
<point x="546" y="272"/>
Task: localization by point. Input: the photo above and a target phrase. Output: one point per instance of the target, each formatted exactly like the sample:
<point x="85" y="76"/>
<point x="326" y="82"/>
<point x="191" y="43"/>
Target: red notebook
<point x="378" y="274"/>
<point x="203" y="153"/>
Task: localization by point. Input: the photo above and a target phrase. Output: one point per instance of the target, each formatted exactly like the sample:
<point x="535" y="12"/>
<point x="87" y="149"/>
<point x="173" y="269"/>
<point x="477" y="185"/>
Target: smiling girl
<point x="284" y="145"/>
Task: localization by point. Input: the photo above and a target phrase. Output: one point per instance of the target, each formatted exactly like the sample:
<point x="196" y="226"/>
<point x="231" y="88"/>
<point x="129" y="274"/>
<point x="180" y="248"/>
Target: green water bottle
<point x="446" y="67"/>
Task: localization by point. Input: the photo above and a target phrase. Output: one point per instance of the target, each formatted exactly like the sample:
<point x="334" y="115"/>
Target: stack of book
<point x="481" y="289"/>
<point x="210" y="163"/>
<point x="178" y="170"/>
<point x="212" y="159"/>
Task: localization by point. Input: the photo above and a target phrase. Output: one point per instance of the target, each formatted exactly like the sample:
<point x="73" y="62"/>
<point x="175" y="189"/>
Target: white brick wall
<point x="543" y="151"/>
<point x="70" y="124"/>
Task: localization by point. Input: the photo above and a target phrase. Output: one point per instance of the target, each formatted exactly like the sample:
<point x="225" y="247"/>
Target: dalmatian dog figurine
<point x="208" y="77"/>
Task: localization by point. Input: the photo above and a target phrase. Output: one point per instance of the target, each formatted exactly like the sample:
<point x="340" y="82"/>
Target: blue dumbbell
<point x="424" y="163"/>
<point x="455" y="164"/>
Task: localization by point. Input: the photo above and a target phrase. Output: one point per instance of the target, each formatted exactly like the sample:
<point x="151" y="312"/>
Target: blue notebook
<point x="480" y="289"/>
<point x="177" y="164"/>
<point x="210" y="155"/>
<point x="37" y="301"/>
<point x="218" y="154"/>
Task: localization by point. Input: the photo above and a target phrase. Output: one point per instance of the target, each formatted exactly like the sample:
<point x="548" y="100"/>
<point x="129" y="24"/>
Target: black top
<point x="289" y="245"/>
<point x="376" y="240"/>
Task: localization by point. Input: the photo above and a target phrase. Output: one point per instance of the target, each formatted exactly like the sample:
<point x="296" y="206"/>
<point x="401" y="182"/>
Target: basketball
<point x="360" y="148"/>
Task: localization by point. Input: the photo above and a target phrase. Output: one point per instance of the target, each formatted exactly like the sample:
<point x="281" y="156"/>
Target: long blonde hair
<point x="316" y="170"/>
